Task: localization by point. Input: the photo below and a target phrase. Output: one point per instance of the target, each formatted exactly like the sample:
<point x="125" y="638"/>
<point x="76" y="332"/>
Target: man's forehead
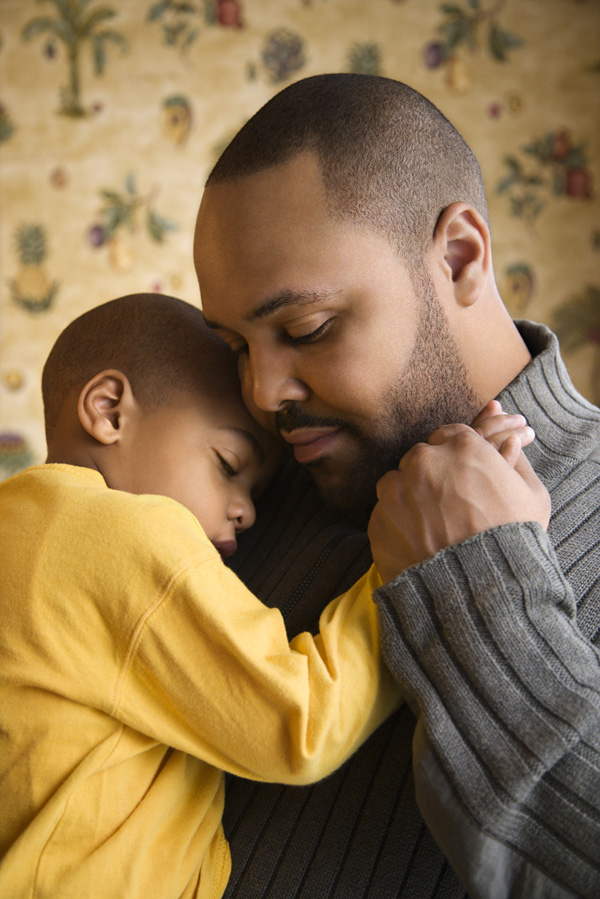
<point x="290" y="187"/>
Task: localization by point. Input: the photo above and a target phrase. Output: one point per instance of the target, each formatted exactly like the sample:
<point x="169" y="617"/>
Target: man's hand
<point x="456" y="485"/>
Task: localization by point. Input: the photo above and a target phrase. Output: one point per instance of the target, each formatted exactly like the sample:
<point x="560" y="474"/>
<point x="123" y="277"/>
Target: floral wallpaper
<point x="113" y="111"/>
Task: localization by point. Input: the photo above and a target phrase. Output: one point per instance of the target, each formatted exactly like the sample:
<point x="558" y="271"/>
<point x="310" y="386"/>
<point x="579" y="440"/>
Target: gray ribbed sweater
<point x="507" y="744"/>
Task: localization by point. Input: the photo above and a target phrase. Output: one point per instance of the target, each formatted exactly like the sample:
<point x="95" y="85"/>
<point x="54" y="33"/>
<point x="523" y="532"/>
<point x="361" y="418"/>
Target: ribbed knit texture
<point x="359" y="834"/>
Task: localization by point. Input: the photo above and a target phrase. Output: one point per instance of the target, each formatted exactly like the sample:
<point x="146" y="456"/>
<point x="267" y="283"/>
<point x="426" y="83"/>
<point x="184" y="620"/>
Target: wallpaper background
<point x="112" y="114"/>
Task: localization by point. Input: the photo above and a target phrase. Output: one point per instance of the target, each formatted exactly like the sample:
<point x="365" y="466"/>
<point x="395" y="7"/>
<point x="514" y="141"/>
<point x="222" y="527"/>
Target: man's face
<point x="341" y="349"/>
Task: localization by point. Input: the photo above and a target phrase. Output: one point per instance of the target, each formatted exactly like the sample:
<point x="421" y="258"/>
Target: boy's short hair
<point x="161" y="343"/>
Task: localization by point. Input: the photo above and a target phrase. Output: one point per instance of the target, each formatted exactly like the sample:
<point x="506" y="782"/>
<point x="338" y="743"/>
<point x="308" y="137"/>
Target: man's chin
<point x="352" y="494"/>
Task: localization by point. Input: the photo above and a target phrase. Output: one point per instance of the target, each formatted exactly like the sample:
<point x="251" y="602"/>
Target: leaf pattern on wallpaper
<point x="182" y="22"/>
<point x="365" y="59"/>
<point x="15" y="453"/>
<point x="75" y="26"/>
<point x="123" y="213"/>
<point x="6" y="124"/>
<point x="32" y="289"/>
<point x="468" y="29"/>
<point x="577" y="323"/>
<point x="551" y="166"/>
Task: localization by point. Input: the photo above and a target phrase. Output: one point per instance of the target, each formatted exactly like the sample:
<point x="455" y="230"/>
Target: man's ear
<point x="462" y="244"/>
<point x="105" y="403"/>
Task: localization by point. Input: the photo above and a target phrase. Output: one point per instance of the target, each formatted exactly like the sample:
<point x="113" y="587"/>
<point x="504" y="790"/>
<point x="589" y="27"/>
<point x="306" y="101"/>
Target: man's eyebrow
<point x="250" y="438"/>
<point x="280" y="301"/>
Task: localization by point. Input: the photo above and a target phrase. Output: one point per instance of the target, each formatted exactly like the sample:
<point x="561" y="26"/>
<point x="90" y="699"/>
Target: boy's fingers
<point x="511" y="449"/>
<point x="523" y="436"/>
<point x="492" y="409"/>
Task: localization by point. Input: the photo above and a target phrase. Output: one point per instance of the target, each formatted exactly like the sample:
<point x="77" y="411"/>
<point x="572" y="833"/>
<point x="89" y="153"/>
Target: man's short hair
<point x="390" y="159"/>
<point x="161" y="343"/>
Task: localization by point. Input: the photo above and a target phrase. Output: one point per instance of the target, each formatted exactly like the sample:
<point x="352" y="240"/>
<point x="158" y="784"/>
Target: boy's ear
<point x="105" y="403"/>
<point x="462" y="241"/>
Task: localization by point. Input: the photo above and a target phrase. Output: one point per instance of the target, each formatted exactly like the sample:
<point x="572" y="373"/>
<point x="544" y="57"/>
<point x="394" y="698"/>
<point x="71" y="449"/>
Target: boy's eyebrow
<point x="250" y="438"/>
<point x="279" y="301"/>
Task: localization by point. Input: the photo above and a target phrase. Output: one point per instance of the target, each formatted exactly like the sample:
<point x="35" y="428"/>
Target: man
<point x="343" y="252"/>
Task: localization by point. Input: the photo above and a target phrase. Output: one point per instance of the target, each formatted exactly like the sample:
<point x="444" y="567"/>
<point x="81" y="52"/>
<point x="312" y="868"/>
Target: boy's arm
<point x="213" y="674"/>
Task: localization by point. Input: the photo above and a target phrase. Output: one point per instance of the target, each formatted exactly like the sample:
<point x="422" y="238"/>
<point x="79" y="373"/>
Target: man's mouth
<point x="310" y="444"/>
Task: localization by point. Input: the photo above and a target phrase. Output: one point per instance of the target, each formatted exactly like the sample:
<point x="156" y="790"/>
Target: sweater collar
<point x="567" y="426"/>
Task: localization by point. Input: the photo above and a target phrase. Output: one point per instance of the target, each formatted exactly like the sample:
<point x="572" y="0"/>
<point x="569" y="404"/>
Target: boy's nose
<point x="242" y="512"/>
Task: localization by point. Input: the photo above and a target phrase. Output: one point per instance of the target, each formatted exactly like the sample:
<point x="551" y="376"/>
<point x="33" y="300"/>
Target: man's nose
<point x="270" y="381"/>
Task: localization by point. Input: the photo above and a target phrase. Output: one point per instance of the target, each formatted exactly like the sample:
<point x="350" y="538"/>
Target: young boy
<point x="136" y="667"/>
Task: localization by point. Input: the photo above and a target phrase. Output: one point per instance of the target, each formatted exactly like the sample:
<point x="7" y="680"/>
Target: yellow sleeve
<point x="211" y="672"/>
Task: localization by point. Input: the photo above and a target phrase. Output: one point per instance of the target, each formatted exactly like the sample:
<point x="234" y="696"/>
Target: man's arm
<point x="481" y="632"/>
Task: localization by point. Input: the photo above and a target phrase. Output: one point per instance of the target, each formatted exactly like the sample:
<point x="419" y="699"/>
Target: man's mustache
<point x="294" y="417"/>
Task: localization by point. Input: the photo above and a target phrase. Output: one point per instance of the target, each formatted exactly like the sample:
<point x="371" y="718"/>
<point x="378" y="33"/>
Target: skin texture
<point x="206" y="453"/>
<point x="349" y="353"/>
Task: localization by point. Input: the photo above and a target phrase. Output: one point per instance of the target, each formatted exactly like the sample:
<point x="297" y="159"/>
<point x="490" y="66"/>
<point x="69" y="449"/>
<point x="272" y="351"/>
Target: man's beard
<point x="434" y="391"/>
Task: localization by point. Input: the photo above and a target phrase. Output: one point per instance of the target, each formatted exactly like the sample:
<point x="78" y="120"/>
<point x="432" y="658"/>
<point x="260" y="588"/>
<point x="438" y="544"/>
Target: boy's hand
<point x="456" y="485"/>
<point x="508" y="433"/>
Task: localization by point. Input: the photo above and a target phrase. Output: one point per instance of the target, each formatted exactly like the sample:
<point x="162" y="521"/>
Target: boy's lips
<point x="226" y="548"/>
<point x="311" y="443"/>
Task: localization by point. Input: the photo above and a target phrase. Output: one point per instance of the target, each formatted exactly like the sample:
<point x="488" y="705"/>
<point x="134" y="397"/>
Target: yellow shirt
<point x="136" y="668"/>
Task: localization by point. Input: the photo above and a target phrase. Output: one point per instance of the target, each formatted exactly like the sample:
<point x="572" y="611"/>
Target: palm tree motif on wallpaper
<point x="75" y="25"/>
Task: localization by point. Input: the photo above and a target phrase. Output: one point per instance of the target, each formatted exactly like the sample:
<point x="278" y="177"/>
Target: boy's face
<point x="208" y="454"/>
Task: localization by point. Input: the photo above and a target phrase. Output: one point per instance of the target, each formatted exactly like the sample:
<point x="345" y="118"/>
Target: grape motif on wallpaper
<point x="554" y="165"/>
<point x="282" y="55"/>
<point x="74" y="26"/>
<point x="181" y="22"/>
<point x="121" y="215"/>
<point x="32" y="289"/>
<point x="468" y="28"/>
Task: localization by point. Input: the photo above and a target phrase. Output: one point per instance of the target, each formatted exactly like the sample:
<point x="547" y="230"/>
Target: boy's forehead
<point x="257" y="446"/>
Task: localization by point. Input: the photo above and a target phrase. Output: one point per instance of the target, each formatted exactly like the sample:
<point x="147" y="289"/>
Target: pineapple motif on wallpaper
<point x="32" y="289"/>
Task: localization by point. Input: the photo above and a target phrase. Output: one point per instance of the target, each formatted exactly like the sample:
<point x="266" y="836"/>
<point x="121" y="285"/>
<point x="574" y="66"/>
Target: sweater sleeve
<point x="211" y="672"/>
<point x="484" y="639"/>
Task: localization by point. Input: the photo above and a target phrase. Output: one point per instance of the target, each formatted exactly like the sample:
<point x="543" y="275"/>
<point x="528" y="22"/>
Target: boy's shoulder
<point x="74" y="504"/>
